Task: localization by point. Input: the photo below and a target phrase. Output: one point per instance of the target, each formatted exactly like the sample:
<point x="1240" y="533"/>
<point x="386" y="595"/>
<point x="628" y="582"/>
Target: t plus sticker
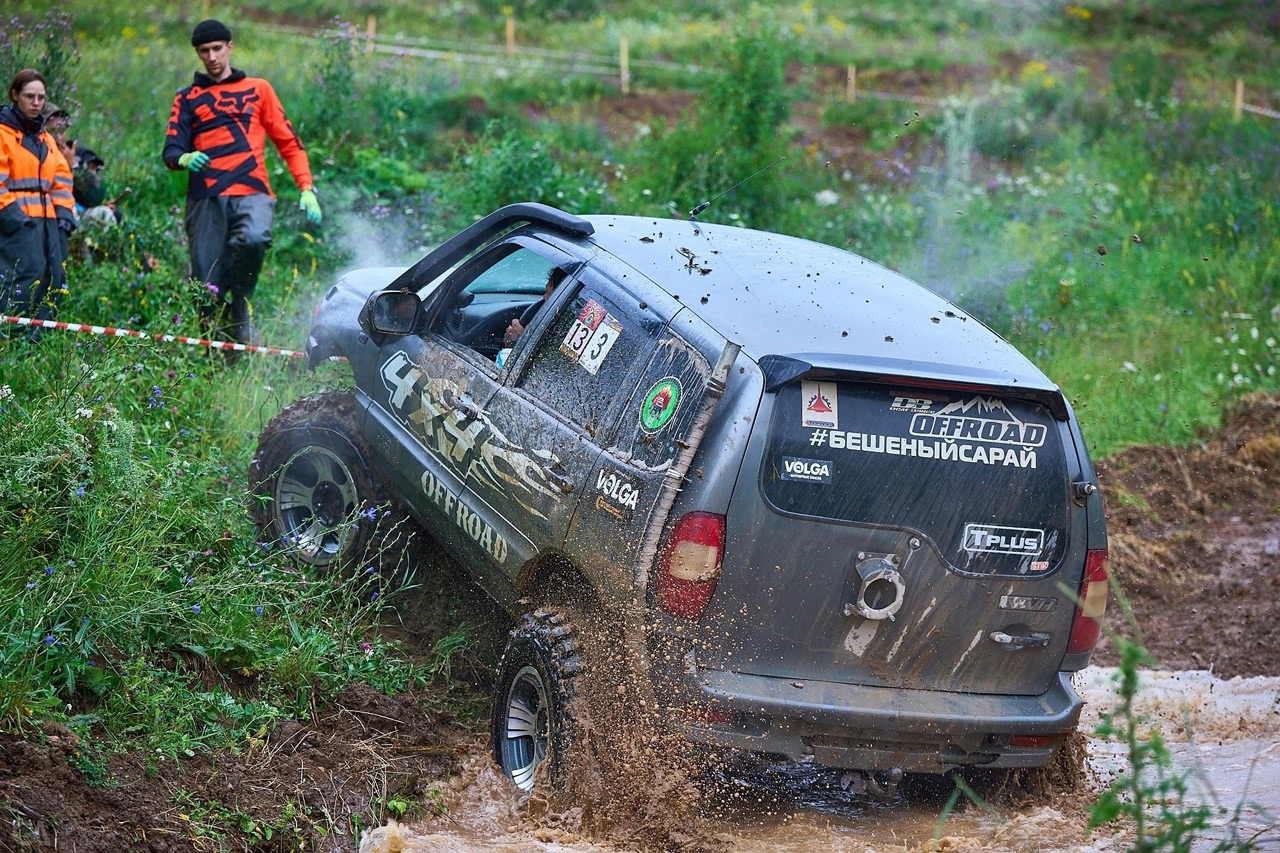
<point x="819" y="402"/>
<point x="660" y="404"/>
<point x="581" y="332"/>
<point x="601" y="342"/>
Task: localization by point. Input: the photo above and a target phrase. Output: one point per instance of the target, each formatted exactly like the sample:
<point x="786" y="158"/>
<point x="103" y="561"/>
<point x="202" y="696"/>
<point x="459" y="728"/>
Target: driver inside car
<point x="518" y="324"/>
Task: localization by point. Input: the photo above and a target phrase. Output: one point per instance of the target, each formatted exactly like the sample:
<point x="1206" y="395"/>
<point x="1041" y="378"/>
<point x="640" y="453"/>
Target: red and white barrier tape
<point x="131" y="333"/>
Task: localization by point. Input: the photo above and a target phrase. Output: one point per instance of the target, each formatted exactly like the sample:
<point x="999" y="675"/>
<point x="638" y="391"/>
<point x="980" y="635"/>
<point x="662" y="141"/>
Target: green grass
<point x="1124" y="240"/>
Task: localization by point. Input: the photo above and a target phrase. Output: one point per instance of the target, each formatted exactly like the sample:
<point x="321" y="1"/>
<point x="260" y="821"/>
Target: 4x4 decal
<point x="466" y="441"/>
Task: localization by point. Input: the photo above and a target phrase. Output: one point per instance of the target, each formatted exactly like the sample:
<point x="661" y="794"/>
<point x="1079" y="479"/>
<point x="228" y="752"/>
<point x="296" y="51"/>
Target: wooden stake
<point x="851" y="85"/>
<point x="370" y="30"/>
<point x="624" y="63"/>
<point x="1239" y="105"/>
<point x="511" y="37"/>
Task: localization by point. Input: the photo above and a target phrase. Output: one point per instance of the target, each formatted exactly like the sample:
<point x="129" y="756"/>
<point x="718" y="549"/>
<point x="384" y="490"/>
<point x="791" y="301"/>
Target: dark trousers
<point x="228" y="237"/>
<point x="31" y="274"/>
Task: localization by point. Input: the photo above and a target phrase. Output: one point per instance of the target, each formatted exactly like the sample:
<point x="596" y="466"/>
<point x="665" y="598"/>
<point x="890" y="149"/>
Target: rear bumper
<point x="877" y="728"/>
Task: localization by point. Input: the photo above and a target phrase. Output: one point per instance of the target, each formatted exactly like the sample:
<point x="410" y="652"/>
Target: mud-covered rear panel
<point x="898" y="536"/>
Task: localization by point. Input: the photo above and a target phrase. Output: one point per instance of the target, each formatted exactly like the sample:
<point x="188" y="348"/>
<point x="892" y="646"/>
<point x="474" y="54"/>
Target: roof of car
<point x="776" y="294"/>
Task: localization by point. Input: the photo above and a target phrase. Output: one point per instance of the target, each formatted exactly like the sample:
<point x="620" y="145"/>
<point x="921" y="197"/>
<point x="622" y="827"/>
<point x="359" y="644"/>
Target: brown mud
<point x="1195" y="554"/>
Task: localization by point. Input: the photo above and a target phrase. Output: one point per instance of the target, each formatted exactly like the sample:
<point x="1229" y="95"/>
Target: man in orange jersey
<point x="217" y="132"/>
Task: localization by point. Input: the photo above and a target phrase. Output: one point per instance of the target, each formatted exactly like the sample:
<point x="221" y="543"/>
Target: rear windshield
<point x="982" y="476"/>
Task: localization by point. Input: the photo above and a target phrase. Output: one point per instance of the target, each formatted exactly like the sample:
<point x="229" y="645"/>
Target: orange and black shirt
<point x="230" y="121"/>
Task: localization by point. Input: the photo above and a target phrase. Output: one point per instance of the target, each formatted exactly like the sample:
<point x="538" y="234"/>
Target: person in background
<point x="37" y="210"/>
<point x="88" y="186"/>
<point x="217" y="132"/>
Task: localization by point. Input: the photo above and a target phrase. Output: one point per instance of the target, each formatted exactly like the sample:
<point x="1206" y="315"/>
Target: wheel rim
<point x="525" y="735"/>
<point x="315" y="497"/>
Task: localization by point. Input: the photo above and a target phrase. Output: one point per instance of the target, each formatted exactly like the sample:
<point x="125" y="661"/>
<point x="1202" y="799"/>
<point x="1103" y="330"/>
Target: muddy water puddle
<point x="1232" y="756"/>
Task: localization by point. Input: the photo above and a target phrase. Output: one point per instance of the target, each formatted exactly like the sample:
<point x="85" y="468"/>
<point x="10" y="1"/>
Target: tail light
<point x="690" y="565"/>
<point x="1093" y="603"/>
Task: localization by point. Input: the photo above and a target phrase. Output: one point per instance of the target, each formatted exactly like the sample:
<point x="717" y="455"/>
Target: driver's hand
<point x="513" y="333"/>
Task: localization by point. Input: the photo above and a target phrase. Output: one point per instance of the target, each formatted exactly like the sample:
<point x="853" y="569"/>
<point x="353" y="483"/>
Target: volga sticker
<point x="617" y="495"/>
<point x="819" y="403"/>
<point x="660" y="404"/>
<point x="806" y="470"/>
<point x="583" y="329"/>
<point x="605" y="336"/>
<point x="993" y="539"/>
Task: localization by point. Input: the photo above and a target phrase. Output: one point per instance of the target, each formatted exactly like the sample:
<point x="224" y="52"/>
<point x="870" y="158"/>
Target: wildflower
<point x="5" y="392"/>
<point x="374" y="597"/>
<point x="211" y="287"/>
<point x="369" y="570"/>
<point x="31" y="585"/>
<point x="366" y="647"/>
<point x="371" y="513"/>
<point x="50" y="640"/>
<point x="258" y="610"/>
<point x="48" y="570"/>
<point x="195" y="608"/>
<point x="80" y="492"/>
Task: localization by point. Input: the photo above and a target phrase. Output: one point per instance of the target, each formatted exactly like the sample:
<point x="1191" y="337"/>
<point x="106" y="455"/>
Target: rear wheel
<point x="535" y="726"/>
<point x="313" y="490"/>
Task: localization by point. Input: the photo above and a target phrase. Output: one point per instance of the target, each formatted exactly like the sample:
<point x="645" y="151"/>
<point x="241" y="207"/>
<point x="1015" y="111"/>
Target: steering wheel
<point x="527" y="315"/>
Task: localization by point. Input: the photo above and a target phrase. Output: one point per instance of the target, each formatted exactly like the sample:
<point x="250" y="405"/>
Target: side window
<point x="585" y="358"/>
<point x="660" y="411"/>
<point x="490" y="292"/>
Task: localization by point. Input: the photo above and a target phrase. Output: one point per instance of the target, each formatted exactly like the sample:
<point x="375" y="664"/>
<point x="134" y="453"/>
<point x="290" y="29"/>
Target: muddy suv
<point x="833" y="517"/>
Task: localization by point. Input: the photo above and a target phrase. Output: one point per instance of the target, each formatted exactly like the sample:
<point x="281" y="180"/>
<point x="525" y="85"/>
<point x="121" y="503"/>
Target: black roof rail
<point x="495" y="224"/>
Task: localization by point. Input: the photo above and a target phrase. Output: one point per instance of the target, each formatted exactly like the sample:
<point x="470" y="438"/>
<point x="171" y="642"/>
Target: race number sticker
<point x="580" y="333"/>
<point x="819" y="403"/>
<point x="601" y="342"/>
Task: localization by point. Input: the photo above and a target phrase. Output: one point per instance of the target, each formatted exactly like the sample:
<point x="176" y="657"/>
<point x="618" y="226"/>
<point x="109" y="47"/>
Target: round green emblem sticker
<point x="660" y="404"/>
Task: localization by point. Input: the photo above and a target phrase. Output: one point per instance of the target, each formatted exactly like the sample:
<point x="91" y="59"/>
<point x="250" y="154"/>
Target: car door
<point x="429" y="417"/>
<point x="567" y="381"/>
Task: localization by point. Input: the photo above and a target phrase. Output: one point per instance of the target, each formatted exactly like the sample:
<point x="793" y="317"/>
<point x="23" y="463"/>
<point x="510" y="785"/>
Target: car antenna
<point x="704" y="205"/>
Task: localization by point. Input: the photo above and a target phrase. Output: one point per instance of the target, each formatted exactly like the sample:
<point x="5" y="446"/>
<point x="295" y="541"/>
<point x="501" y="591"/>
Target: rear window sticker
<point x="660" y="404"/>
<point x="960" y="420"/>
<point x="606" y="335"/>
<point x="806" y="470"/>
<point x="993" y="539"/>
<point x="902" y="403"/>
<point x="945" y="450"/>
<point x="819" y="401"/>
<point x="579" y="334"/>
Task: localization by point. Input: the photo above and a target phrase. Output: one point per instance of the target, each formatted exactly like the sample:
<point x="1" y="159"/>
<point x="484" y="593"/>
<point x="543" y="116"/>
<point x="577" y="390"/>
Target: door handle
<point x="1032" y="640"/>
<point x="561" y="479"/>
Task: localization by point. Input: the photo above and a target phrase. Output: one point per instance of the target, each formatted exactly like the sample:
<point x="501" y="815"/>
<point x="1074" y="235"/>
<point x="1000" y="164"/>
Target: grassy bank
<point x="1078" y="182"/>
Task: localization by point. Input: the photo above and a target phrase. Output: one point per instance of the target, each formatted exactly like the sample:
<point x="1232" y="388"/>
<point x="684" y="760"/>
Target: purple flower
<point x="258" y="610"/>
<point x="48" y="570"/>
<point x="211" y="287"/>
<point x="373" y="597"/>
<point x="50" y="640"/>
<point x="195" y="608"/>
<point x="80" y="492"/>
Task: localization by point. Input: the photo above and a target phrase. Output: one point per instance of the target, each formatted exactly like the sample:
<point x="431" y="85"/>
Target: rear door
<point x="894" y="536"/>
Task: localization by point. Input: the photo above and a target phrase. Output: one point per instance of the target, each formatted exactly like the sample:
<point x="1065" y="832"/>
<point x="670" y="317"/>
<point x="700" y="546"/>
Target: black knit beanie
<point x="210" y="30"/>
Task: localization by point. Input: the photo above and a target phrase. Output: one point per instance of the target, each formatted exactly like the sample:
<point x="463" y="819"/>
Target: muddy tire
<point x="312" y="488"/>
<point x="536" y="730"/>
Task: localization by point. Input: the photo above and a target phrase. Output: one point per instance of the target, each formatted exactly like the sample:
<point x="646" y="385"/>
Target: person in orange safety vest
<point x="217" y="132"/>
<point x="37" y="210"/>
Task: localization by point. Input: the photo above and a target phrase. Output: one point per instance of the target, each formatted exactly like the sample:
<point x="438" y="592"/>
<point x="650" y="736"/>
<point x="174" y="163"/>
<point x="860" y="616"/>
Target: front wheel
<point x="312" y="487"/>
<point x="535" y="726"/>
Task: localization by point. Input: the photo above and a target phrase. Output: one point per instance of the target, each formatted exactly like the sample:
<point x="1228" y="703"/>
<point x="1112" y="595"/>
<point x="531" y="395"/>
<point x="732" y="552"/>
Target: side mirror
<point x="394" y="312"/>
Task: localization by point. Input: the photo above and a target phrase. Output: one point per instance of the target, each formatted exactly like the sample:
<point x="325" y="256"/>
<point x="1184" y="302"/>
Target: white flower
<point x="1131" y="367"/>
<point x="825" y="198"/>
<point x="5" y="392"/>
<point x="83" y="412"/>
